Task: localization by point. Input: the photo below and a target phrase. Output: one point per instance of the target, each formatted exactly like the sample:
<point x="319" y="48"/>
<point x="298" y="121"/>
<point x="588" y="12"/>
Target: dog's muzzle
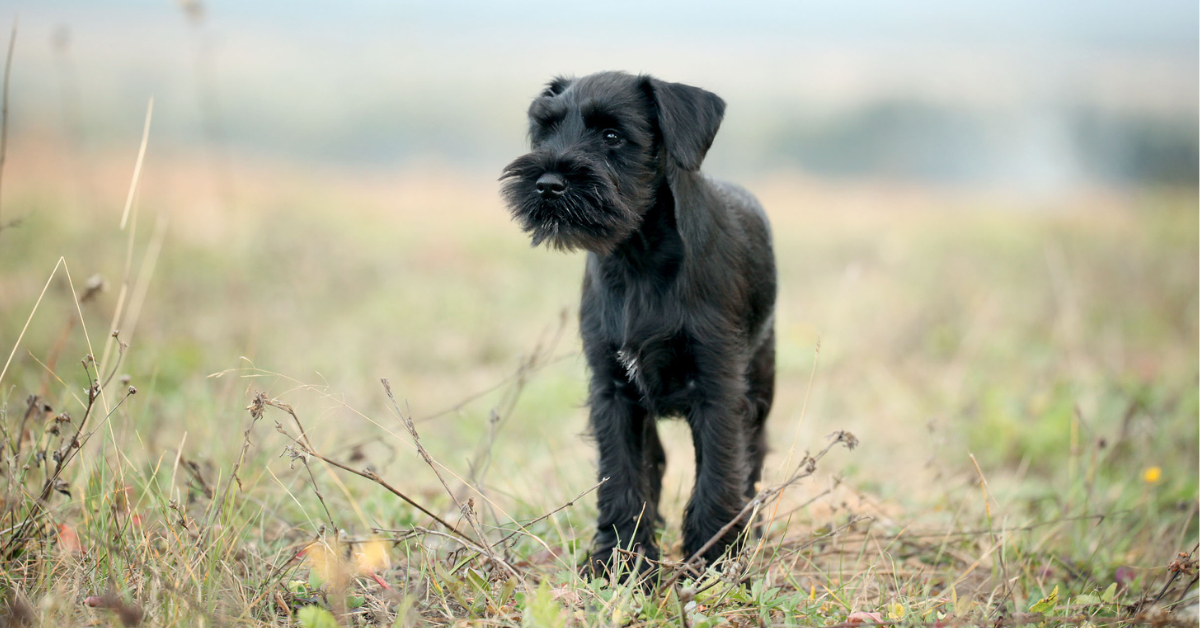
<point x="569" y="200"/>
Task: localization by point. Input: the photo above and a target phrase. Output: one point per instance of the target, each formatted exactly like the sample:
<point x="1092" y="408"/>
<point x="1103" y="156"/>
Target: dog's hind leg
<point x="760" y="390"/>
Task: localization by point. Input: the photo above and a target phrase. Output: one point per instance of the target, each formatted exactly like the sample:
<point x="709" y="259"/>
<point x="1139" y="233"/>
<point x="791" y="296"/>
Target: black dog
<point x="678" y="295"/>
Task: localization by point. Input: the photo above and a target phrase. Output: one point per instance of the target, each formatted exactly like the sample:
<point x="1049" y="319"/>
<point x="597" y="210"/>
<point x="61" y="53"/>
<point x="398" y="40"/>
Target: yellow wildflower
<point x="1152" y="475"/>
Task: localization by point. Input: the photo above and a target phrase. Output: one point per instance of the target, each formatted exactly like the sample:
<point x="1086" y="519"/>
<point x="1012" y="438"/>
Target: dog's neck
<point x="655" y="249"/>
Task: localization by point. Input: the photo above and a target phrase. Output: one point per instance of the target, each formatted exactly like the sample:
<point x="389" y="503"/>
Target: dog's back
<point x="752" y="220"/>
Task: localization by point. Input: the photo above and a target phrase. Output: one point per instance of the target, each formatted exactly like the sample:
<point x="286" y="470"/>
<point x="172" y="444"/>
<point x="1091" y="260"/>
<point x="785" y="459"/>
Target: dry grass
<point x="1022" y="377"/>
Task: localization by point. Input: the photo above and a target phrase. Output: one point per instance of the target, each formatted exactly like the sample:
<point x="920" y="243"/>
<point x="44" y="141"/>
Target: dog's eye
<point x="611" y="137"/>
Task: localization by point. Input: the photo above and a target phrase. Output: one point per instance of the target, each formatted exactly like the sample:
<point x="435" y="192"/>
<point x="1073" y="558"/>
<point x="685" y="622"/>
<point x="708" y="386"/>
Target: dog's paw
<point x="617" y="564"/>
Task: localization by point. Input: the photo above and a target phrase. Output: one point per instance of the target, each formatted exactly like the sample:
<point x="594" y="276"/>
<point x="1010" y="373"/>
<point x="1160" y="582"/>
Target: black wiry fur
<point x="678" y="295"/>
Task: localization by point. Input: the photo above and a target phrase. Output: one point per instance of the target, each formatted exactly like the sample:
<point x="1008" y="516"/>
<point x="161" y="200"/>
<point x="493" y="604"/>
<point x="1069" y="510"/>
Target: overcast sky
<point x="377" y="79"/>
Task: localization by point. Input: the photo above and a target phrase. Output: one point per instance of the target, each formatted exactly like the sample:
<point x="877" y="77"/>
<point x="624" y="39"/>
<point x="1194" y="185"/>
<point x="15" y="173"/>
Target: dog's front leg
<point x="719" y="437"/>
<point x="625" y="501"/>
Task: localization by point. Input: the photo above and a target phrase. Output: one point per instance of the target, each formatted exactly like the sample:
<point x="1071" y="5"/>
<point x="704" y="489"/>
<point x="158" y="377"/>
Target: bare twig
<point x="320" y="497"/>
<point x="75" y="445"/>
<point x="551" y="513"/>
<point x="1185" y="590"/>
<point x="503" y="410"/>
<point x="371" y="475"/>
<point x="810" y="501"/>
<point x="1182" y="564"/>
<point x="475" y="396"/>
<point x="256" y="414"/>
<point x="63" y="456"/>
<point x="521" y="527"/>
<point x="366" y="473"/>
<point x="406" y="419"/>
<point x="275" y="403"/>
<point x="473" y="547"/>
<point x="121" y="347"/>
<point x="34" y="404"/>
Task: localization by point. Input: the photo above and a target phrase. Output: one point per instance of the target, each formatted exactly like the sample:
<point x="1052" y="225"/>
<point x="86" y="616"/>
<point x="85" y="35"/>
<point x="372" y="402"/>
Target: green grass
<point x="1023" y="382"/>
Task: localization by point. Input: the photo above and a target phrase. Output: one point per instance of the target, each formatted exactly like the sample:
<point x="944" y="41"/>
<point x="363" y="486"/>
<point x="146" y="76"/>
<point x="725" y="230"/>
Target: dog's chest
<point x="653" y="349"/>
<point x="662" y="369"/>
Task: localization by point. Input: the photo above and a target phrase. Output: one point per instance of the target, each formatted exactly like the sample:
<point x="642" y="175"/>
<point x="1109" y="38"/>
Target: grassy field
<point x="1021" y="377"/>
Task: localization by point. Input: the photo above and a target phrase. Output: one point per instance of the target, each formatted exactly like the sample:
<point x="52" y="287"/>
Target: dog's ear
<point x="557" y="86"/>
<point x="688" y="118"/>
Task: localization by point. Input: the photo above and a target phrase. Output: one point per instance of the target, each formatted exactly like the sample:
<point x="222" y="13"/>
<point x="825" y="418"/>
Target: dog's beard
<point x="591" y="214"/>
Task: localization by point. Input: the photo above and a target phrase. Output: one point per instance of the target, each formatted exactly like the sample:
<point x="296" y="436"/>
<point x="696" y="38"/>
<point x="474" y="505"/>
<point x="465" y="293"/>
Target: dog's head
<point x="602" y="146"/>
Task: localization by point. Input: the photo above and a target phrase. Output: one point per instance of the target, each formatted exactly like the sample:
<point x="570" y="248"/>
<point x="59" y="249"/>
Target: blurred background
<point x="1030" y="96"/>
<point x="985" y="215"/>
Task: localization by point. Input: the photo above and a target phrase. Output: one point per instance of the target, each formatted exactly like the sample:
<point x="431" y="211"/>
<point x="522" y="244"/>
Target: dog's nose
<point x="551" y="185"/>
